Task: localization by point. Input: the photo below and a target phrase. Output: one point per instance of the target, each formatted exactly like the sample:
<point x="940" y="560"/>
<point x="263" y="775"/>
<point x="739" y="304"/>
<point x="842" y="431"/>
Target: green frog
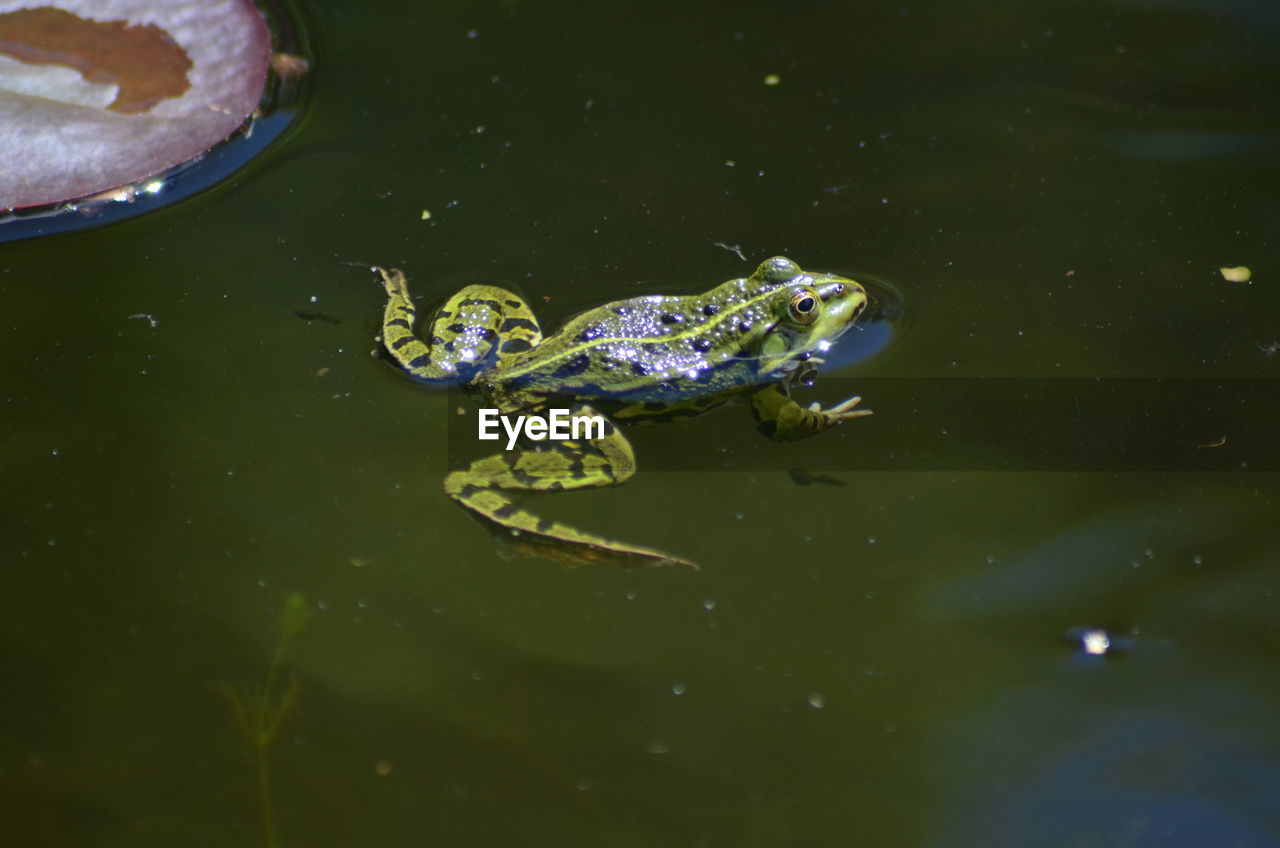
<point x="644" y="358"/>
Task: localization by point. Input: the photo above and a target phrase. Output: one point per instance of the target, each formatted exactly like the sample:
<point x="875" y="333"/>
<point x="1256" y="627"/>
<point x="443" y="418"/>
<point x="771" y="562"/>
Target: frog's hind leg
<point x="478" y="325"/>
<point x="397" y="328"/>
<point x="553" y="467"/>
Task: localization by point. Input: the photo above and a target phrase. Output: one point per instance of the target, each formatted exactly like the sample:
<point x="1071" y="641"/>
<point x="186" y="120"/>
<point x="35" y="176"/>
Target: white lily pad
<point x="96" y="94"/>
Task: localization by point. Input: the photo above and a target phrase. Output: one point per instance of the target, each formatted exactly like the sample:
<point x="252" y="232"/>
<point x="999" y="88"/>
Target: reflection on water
<point x="1160" y="747"/>
<point x="1154" y="776"/>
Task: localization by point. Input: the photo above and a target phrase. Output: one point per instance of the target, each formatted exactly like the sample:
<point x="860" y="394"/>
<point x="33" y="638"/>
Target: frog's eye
<point x="803" y="307"/>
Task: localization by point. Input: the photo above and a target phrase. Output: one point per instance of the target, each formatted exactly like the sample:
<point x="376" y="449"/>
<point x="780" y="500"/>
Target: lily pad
<point x="96" y="94"/>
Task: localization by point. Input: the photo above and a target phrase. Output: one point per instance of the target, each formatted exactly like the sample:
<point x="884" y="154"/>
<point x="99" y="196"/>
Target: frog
<point x="649" y="358"/>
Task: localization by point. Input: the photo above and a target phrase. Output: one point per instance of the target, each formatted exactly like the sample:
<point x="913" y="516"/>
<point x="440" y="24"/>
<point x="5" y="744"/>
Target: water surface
<point x="1052" y="188"/>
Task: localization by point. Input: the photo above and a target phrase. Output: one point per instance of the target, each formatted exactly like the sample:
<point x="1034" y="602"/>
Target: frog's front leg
<point x="552" y="467"/>
<point x="782" y="419"/>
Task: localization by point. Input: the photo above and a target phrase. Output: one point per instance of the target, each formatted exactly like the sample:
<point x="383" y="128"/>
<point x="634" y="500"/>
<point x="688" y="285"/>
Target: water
<point x="892" y="661"/>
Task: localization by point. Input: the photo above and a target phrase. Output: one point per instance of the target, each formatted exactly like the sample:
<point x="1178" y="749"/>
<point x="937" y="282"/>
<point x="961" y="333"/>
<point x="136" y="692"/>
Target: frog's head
<point x="811" y="312"/>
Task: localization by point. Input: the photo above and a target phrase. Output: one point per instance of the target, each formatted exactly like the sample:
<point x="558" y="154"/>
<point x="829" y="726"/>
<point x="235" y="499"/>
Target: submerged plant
<point x="261" y="707"/>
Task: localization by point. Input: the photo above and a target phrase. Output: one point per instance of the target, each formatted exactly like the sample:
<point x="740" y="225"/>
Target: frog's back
<point x="654" y="348"/>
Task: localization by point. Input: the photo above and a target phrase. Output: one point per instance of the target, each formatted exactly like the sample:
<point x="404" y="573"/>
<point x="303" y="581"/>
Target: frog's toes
<point x="846" y="405"/>
<point x="393" y="281"/>
<point x="842" y="411"/>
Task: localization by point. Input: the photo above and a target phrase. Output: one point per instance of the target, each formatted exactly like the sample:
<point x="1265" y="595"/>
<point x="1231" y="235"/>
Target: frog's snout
<point x="845" y="302"/>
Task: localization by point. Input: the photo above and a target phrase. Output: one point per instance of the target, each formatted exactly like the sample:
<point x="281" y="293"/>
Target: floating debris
<point x="290" y="67"/>
<point x="1095" y="642"/>
<point x="1238" y="274"/>
<point x="732" y="248"/>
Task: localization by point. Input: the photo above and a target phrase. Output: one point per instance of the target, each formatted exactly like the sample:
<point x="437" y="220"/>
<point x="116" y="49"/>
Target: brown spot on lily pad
<point x="141" y="59"/>
<point x="89" y="105"/>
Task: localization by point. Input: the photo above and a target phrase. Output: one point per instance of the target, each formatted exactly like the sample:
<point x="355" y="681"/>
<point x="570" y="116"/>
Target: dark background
<point x="1050" y="187"/>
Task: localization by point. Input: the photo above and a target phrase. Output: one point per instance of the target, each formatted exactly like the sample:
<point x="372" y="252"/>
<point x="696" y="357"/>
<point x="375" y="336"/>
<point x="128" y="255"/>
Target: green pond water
<point x="897" y="661"/>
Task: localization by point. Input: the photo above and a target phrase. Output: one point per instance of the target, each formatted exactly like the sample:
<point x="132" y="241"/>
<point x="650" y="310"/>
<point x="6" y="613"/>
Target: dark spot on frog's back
<point x="710" y="309"/>
<point x="481" y="301"/>
<point x="573" y="367"/>
<point x="516" y="346"/>
<point x="672" y="318"/>
<point x="589" y="390"/>
<point x="517" y="324"/>
<point x="701" y="345"/>
<point x="514" y="304"/>
<point x="639" y="369"/>
<point x="589" y="334"/>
